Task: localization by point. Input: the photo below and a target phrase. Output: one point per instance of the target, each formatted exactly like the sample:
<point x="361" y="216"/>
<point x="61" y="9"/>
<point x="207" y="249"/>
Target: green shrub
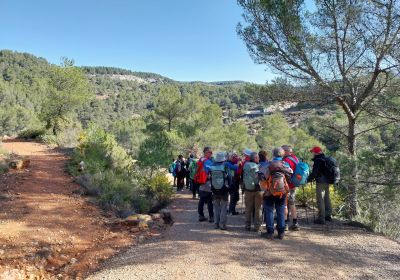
<point x="306" y="196"/>
<point x="32" y="133"/>
<point x="111" y="174"/>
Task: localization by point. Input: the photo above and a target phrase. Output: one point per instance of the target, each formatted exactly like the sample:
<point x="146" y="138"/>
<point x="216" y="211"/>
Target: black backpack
<point x="331" y="170"/>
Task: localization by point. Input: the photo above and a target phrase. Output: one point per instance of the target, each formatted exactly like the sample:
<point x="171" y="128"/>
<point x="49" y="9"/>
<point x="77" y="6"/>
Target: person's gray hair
<point x="253" y="156"/>
<point x="278" y="152"/>
<point x="287" y="148"/>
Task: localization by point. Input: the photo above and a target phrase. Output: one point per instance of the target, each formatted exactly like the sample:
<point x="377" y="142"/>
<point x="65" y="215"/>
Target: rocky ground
<point x="47" y="231"/>
<point x="193" y="250"/>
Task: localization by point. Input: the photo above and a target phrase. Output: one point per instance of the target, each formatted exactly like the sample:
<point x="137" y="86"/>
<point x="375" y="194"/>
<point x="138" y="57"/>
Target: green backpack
<point x="218" y="179"/>
<point x="250" y="176"/>
<point x="193" y="168"/>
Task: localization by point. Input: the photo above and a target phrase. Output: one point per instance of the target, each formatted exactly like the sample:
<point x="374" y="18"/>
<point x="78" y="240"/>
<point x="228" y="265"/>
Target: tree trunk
<point x="169" y="125"/>
<point x="352" y="199"/>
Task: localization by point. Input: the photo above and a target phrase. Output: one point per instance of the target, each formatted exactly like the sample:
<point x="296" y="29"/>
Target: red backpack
<point x="200" y="177"/>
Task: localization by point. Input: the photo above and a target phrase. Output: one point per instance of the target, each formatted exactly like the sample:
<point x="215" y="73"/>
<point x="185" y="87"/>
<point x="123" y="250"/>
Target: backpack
<point x="178" y="167"/>
<point x="218" y="178"/>
<point x="331" y="170"/>
<point x="200" y="177"/>
<point x="192" y="168"/>
<point x="250" y="176"/>
<point x="300" y="174"/>
<point x="276" y="184"/>
<point x="172" y="169"/>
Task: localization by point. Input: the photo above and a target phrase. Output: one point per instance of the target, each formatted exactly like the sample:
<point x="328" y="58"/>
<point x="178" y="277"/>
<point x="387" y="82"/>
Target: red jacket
<point x="292" y="166"/>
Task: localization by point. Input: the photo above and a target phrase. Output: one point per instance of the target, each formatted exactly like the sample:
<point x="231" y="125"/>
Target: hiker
<point x="172" y="170"/>
<point x="232" y="166"/>
<point x="194" y="187"/>
<point x="252" y="192"/>
<point x="180" y="173"/>
<point x="187" y="167"/>
<point x="219" y="187"/>
<point x="275" y="185"/>
<point x="202" y="179"/>
<point x="322" y="186"/>
<point x="291" y="159"/>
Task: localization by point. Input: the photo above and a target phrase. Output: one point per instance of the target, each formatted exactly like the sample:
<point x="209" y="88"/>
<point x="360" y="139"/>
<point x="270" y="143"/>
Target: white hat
<point x="247" y="152"/>
<point x="220" y="157"/>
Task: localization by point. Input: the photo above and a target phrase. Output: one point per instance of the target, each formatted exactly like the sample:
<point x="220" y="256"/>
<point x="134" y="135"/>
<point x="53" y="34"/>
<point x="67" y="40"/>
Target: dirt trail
<point x="193" y="250"/>
<point x="45" y="229"/>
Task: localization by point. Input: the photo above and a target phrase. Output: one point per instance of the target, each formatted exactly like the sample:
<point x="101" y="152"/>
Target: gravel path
<point x="193" y="250"/>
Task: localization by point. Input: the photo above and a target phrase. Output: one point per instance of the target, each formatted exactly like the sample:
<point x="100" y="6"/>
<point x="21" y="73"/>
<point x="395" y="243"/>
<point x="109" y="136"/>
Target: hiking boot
<point x="223" y="227"/>
<point x="328" y="218"/>
<point x="281" y="235"/>
<point x="235" y="213"/>
<point x="286" y="227"/>
<point x="202" y="219"/>
<point x="319" y="222"/>
<point x="247" y="228"/>
<point x="194" y="198"/>
<point x="211" y="220"/>
<point x="216" y="226"/>
<point x="295" y="227"/>
<point x="267" y="235"/>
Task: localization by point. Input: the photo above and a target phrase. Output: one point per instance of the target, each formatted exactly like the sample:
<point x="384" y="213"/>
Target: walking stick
<point x="312" y="202"/>
<point x="241" y="208"/>
<point x="305" y="205"/>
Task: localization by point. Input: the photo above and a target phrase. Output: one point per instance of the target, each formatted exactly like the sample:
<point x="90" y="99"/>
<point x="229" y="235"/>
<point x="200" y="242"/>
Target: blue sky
<point x="181" y="39"/>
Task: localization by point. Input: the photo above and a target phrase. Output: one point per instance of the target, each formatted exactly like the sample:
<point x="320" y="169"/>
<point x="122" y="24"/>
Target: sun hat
<point x="247" y="152"/>
<point x="220" y="157"/>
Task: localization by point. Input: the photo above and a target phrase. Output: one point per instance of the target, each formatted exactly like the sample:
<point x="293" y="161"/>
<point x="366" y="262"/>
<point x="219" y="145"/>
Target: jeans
<point x="253" y="201"/>
<point x="220" y="203"/>
<point x="323" y="201"/>
<point x="205" y="197"/>
<point x="234" y="197"/>
<point x="279" y="203"/>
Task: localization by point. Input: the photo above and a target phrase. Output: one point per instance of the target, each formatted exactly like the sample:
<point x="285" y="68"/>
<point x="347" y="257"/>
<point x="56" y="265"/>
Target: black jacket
<point x="318" y="167"/>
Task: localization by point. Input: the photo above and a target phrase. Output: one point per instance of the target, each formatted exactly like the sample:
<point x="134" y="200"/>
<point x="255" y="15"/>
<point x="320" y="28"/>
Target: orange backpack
<point x="200" y="177"/>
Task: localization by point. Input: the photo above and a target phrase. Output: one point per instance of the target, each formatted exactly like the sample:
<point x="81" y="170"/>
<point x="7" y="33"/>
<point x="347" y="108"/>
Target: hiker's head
<point x="180" y="157"/>
<point x="247" y="153"/>
<point x="220" y="157"/>
<point x="207" y="152"/>
<point x="278" y="152"/>
<point x="316" y="150"/>
<point x="288" y="149"/>
<point x="254" y="157"/>
<point x="263" y="156"/>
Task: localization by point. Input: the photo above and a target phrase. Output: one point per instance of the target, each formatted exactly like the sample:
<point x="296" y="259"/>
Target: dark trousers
<point x="206" y="198"/>
<point x="195" y="187"/>
<point x="279" y="203"/>
<point x="180" y="182"/>
<point x="233" y="197"/>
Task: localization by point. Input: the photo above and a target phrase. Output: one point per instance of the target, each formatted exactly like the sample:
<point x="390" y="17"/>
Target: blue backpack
<point x="301" y="173"/>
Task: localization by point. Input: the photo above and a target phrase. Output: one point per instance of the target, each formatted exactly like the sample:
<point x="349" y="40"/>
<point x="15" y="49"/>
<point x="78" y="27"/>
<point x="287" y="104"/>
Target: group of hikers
<point x="266" y="185"/>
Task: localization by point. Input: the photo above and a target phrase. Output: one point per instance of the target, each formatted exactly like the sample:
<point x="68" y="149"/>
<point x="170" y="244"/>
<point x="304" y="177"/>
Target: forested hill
<point x="119" y="92"/>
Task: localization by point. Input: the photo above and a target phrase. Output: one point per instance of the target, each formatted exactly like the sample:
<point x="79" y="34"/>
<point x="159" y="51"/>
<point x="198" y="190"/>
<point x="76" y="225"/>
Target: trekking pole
<point x="305" y="203"/>
<point x="241" y="208"/>
<point x="312" y="202"/>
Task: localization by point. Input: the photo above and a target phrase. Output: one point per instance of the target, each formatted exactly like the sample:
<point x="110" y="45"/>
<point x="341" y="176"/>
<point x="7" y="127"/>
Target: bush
<point x="32" y="133"/>
<point x="306" y="197"/>
<point x="111" y="174"/>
